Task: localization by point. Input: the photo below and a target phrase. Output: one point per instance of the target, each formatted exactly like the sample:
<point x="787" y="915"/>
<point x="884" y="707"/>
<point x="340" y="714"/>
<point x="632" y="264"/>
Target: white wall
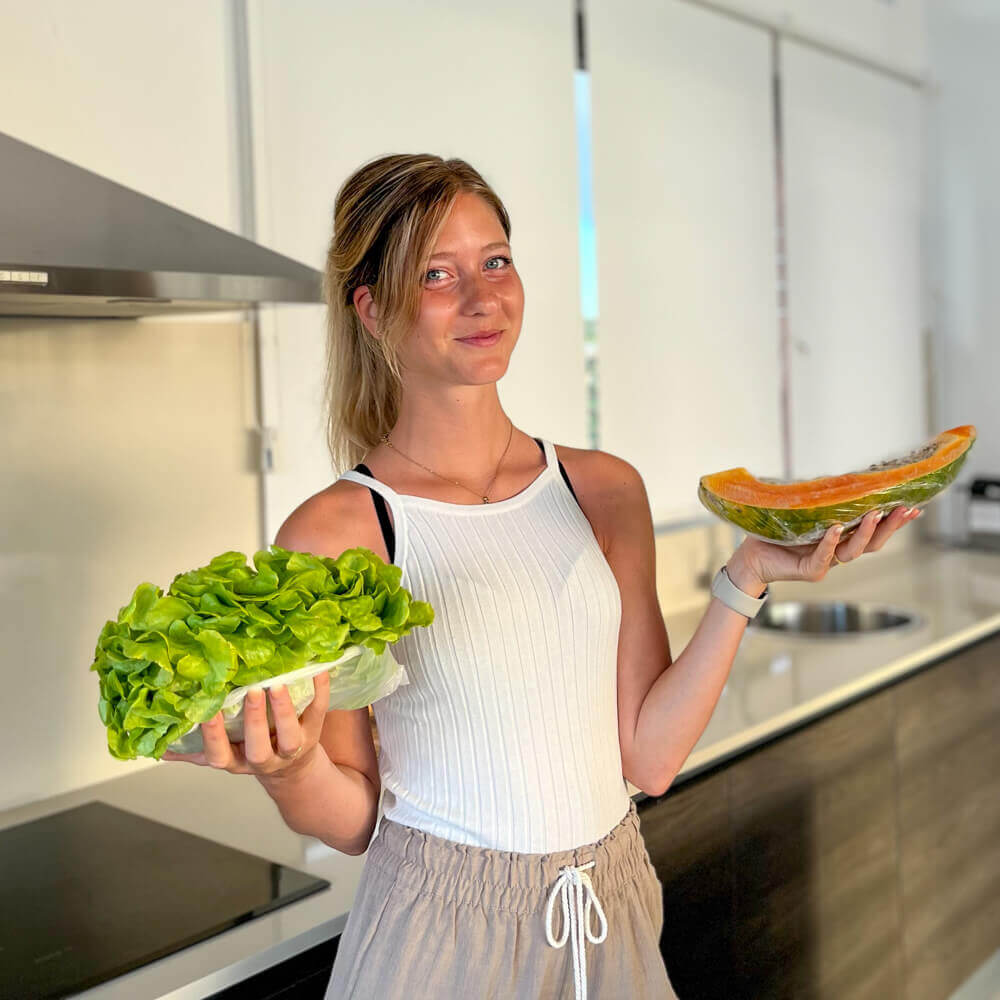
<point x="124" y="450"/>
<point x="123" y="444"/>
<point x="334" y="86"/>
<point x="141" y="93"/>
<point x="963" y="212"/>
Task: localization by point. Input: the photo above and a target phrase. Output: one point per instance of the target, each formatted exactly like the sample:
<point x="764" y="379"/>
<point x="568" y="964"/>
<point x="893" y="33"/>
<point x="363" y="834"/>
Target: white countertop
<point x="776" y="682"/>
<point x="779" y="681"/>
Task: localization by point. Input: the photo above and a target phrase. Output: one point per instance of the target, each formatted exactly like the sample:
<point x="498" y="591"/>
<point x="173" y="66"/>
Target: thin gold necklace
<point x="385" y="438"/>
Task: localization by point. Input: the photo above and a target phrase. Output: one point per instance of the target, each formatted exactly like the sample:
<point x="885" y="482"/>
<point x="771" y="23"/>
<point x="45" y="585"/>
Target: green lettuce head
<point x="169" y="660"/>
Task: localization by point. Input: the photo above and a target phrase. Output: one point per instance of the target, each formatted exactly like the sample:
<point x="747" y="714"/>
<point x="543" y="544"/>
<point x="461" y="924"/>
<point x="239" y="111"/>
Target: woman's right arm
<point x="331" y="790"/>
<point x="334" y="794"/>
<point x="318" y="796"/>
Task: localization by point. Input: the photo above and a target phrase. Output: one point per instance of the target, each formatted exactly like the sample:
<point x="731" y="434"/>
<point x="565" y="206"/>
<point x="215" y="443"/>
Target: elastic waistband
<point x="506" y="880"/>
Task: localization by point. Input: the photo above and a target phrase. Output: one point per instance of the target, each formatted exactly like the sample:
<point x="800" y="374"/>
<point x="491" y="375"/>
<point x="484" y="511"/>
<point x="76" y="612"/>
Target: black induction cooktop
<point x="92" y="892"/>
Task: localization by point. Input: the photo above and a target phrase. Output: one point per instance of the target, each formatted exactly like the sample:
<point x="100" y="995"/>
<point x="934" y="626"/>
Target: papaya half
<point x="800" y="512"/>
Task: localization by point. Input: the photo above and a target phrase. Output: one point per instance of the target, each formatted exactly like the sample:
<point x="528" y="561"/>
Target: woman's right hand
<point x="257" y="754"/>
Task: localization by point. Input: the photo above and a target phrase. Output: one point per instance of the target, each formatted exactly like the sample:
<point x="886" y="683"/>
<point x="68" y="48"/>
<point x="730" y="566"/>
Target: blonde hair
<point x="386" y="219"/>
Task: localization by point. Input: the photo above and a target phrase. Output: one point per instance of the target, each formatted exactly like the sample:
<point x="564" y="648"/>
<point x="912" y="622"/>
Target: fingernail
<point x="838" y="529"/>
<point x="277" y="689"/>
<point x="256" y="696"/>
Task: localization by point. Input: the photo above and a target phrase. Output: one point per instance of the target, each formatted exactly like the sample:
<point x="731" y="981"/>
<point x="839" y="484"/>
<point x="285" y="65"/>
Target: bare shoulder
<point x="598" y="470"/>
<point x="606" y="486"/>
<point x="334" y="519"/>
<point x="338" y="517"/>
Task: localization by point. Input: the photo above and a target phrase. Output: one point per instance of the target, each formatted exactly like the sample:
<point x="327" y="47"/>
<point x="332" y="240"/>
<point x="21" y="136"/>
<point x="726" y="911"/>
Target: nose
<point x="480" y="295"/>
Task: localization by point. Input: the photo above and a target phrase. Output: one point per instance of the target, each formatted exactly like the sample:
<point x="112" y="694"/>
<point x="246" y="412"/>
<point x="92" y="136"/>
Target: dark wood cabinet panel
<point x="301" y="977"/>
<point x="687" y="836"/>
<point x="948" y="749"/>
<point x="815" y="905"/>
<point x="856" y="858"/>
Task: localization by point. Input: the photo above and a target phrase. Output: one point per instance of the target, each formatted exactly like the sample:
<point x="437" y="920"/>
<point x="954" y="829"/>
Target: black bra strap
<point x="389" y="535"/>
<point x="562" y="471"/>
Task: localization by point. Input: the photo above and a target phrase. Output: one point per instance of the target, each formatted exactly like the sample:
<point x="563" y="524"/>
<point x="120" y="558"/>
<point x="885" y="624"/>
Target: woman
<point x="507" y="831"/>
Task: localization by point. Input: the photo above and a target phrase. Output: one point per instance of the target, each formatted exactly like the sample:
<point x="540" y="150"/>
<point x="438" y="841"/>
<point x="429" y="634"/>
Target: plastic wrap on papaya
<point x="799" y="512"/>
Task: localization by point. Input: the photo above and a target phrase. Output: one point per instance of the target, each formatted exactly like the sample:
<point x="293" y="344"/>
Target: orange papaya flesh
<point x="802" y="511"/>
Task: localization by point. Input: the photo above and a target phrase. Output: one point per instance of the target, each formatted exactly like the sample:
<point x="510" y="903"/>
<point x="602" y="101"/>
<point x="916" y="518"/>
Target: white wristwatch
<point x="726" y="591"/>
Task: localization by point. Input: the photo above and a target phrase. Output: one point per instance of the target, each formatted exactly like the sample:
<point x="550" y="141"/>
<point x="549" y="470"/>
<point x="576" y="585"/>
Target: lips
<point x="482" y="340"/>
<point x="482" y="335"/>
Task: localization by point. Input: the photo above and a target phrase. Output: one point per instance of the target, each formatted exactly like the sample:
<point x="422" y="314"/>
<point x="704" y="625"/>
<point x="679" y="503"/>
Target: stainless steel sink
<point x="832" y="619"/>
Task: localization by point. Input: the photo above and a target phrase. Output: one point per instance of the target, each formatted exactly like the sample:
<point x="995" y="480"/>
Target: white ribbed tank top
<point x="507" y="734"/>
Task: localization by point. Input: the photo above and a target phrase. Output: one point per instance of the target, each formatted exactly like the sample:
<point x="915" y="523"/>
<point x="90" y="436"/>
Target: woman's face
<point x="470" y="285"/>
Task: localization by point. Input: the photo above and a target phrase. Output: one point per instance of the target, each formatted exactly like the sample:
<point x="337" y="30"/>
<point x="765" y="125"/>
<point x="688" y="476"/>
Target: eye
<point x="506" y="263"/>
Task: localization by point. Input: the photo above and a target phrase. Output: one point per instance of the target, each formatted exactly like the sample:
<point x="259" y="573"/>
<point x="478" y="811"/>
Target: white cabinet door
<point x="890" y="32"/>
<point x="684" y="212"/>
<point x="852" y="155"/>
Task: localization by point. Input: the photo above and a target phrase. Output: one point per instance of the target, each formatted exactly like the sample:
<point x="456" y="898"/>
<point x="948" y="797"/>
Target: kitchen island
<point x="778" y="684"/>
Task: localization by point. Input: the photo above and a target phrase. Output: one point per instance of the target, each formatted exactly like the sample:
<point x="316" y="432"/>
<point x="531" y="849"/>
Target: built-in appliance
<point x="95" y="891"/>
<point x="74" y="243"/>
<point x="984" y="513"/>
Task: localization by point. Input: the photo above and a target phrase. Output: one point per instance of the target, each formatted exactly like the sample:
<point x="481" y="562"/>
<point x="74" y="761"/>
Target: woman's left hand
<point x="768" y="562"/>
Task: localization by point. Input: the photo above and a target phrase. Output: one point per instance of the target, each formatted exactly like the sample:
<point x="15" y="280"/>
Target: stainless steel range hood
<point x="73" y="243"/>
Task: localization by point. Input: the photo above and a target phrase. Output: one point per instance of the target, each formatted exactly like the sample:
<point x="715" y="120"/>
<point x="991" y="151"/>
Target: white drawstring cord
<point x="576" y="919"/>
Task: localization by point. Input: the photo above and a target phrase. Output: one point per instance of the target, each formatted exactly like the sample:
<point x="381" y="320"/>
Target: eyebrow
<point x="489" y="246"/>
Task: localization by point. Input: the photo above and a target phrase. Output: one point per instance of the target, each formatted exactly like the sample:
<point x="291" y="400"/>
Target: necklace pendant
<point x="485" y="500"/>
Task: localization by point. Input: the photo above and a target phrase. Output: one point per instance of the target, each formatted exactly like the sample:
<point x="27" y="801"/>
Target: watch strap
<point x="726" y="591"/>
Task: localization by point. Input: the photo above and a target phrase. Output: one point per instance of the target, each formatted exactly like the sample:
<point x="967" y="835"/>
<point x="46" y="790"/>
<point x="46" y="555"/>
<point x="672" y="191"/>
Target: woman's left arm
<point x="664" y="705"/>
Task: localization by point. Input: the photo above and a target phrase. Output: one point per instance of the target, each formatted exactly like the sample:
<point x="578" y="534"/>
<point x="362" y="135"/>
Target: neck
<point x="463" y="435"/>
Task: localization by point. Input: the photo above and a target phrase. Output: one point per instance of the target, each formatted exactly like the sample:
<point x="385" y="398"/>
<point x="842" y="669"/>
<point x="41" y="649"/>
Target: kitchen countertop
<point x="777" y="682"/>
<point x="780" y="681"/>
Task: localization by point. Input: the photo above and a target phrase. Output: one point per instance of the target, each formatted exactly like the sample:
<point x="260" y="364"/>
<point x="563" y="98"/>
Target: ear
<point x="364" y="303"/>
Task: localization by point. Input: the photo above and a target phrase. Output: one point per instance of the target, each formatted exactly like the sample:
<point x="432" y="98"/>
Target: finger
<point x="826" y="549"/>
<point x="866" y="530"/>
<point x="311" y="719"/>
<point x="218" y="749"/>
<point x="194" y="758"/>
<point x="860" y="536"/>
<point x="289" y="732"/>
<point x="889" y="525"/>
<point x="256" y="729"/>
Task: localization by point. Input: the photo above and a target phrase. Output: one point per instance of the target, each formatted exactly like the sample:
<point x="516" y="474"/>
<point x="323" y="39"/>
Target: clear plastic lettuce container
<point x="358" y="678"/>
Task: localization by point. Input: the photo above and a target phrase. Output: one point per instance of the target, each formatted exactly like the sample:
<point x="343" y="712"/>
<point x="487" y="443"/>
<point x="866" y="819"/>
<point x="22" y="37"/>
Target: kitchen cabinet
<point x="490" y="85"/>
<point x="688" y="251"/>
<point x="302" y="977"/>
<point x="851" y="167"/>
<point x="948" y="803"/>
<point x="892" y="33"/>
<point x="684" y="211"/>
<point x="688" y="839"/>
<point x="856" y="857"/>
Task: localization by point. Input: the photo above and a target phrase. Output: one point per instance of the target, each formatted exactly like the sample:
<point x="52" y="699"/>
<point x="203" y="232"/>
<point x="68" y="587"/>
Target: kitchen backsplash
<point x="125" y="458"/>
